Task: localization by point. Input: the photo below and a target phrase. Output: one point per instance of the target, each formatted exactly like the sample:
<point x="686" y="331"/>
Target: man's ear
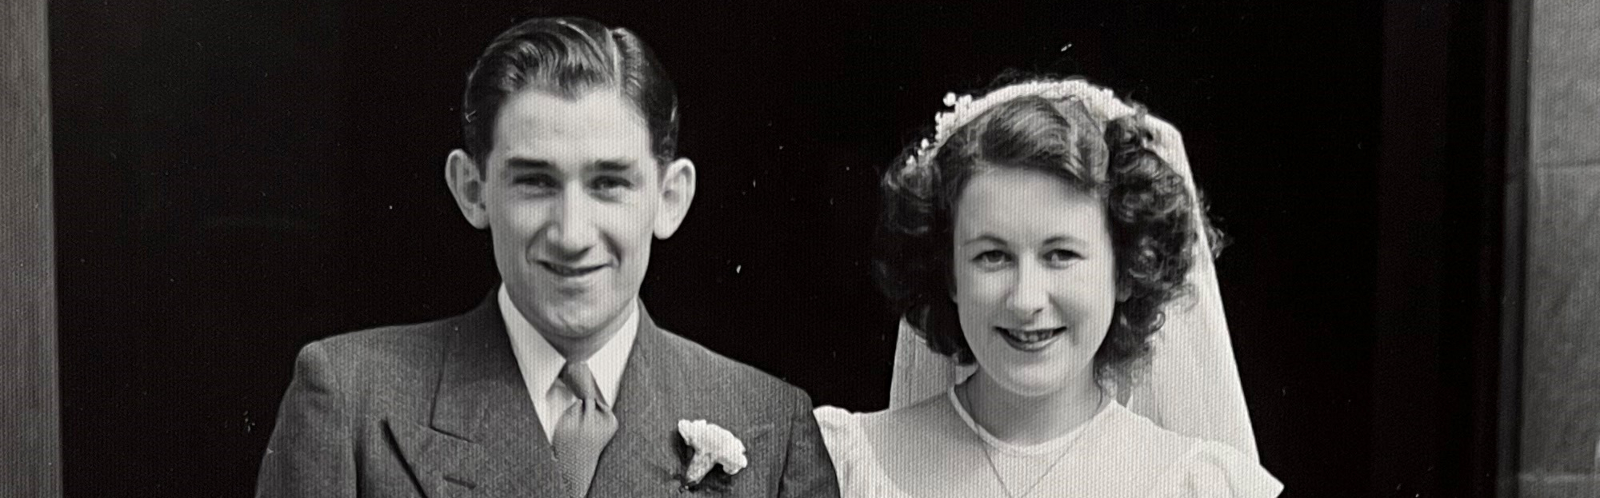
<point x="466" y="183"/>
<point x="677" y="191"/>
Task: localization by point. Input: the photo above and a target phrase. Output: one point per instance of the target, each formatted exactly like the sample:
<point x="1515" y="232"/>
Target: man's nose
<point x="1030" y="292"/>
<point x="572" y="230"/>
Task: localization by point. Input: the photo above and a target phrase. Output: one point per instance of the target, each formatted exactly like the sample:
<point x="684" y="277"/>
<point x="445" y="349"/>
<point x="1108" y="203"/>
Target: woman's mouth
<point x="1030" y="339"/>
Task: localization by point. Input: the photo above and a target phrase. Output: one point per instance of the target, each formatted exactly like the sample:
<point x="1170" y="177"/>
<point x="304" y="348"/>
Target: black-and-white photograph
<point x="1235" y="248"/>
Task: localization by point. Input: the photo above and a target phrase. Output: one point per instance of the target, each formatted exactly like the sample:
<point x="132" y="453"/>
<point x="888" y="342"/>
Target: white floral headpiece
<point x="963" y="108"/>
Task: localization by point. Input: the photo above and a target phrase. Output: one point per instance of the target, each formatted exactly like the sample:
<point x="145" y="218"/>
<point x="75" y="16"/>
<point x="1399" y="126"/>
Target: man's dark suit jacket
<point x="440" y="410"/>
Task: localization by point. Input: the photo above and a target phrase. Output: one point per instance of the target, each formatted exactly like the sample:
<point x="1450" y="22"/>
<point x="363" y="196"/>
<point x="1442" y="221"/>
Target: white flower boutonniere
<point x="712" y="446"/>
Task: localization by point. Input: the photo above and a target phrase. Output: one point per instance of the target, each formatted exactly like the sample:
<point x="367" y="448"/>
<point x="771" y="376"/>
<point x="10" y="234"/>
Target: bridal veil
<point x="1191" y="385"/>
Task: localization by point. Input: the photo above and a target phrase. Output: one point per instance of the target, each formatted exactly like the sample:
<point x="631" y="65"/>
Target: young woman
<point x="1040" y="239"/>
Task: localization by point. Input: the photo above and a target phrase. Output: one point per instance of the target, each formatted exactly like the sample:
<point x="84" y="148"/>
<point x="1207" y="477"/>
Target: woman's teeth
<point x="1028" y="336"/>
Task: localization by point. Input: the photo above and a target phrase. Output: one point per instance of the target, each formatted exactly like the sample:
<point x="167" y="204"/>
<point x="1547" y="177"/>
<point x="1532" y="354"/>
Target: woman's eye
<point x="1061" y="256"/>
<point x="991" y="258"/>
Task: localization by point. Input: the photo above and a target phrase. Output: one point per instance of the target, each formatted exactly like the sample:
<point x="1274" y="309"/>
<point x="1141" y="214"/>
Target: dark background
<point x="234" y="179"/>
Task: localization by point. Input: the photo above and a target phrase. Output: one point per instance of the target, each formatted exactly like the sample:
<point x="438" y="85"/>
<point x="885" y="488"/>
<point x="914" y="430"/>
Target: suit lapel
<point x="484" y="438"/>
<point x="642" y="458"/>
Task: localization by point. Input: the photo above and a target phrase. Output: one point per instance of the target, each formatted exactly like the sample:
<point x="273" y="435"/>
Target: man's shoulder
<point x="388" y="353"/>
<point x="711" y="370"/>
<point x="388" y="341"/>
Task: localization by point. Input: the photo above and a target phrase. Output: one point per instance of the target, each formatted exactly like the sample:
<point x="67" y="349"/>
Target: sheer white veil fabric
<point x="1191" y="385"/>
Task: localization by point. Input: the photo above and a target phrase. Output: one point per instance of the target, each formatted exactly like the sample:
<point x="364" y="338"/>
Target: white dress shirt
<point x="541" y="364"/>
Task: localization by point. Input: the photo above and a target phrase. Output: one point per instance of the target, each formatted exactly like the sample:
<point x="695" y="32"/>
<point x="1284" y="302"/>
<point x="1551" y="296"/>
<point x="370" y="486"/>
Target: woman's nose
<point x="1030" y="292"/>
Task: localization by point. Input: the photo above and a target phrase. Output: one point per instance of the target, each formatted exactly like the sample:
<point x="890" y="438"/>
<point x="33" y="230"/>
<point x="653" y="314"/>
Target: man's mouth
<point x="570" y="271"/>
<point x="1030" y="339"/>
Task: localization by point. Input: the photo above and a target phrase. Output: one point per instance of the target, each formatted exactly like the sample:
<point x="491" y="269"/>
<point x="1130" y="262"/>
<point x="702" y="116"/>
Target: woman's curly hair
<point x="1150" y="213"/>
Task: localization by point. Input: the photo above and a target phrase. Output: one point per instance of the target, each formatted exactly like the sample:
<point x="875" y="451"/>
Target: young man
<point x="559" y="384"/>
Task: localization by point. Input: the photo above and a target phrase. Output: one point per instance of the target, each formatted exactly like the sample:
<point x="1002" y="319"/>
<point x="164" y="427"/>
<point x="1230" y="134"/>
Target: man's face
<point x="572" y="196"/>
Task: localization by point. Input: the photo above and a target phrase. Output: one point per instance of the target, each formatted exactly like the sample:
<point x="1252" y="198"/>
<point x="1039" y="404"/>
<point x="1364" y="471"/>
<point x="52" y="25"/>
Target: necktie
<point x="585" y="428"/>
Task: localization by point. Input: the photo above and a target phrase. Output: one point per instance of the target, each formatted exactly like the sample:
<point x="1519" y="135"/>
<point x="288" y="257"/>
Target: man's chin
<point x="579" y="324"/>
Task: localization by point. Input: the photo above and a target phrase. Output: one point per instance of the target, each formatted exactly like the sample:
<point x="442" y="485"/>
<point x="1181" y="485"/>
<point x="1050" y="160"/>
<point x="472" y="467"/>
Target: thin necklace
<point x="989" y="456"/>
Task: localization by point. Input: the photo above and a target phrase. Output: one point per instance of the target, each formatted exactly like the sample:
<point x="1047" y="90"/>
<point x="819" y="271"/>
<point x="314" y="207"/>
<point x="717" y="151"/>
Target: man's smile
<point x="571" y="271"/>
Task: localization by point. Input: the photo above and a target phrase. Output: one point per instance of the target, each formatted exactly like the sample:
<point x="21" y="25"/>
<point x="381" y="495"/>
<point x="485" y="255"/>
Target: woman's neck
<point x="1027" y="420"/>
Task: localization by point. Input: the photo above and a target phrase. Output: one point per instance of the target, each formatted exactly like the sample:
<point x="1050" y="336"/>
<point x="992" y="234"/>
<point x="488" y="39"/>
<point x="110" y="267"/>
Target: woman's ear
<point x="950" y="281"/>
<point x="677" y="192"/>
<point x="1124" y="288"/>
<point x="466" y="181"/>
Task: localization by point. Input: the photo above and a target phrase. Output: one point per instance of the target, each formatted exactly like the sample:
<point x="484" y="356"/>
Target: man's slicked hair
<point x="568" y="57"/>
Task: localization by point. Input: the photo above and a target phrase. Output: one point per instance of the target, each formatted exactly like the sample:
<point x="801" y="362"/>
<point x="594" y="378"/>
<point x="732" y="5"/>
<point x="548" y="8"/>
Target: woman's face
<point x="1035" y="278"/>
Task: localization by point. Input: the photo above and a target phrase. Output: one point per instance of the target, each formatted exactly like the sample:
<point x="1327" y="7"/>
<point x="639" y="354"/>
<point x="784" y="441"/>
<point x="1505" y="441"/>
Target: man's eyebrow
<point x="615" y="165"/>
<point x="525" y="163"/>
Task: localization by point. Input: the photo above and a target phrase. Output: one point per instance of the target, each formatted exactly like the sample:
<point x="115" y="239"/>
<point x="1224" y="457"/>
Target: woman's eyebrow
<point x="985" y="238"/>
<point x="1062" y="239"/>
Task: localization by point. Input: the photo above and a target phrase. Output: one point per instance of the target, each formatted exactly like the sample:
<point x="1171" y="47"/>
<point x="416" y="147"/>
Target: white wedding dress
<point x="1184" y="432"/>
<point x="1115" y="454"/>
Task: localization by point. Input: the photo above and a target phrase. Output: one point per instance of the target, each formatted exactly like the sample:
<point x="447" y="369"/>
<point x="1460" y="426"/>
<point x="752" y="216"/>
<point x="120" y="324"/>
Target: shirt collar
<point x="541" y="363"/>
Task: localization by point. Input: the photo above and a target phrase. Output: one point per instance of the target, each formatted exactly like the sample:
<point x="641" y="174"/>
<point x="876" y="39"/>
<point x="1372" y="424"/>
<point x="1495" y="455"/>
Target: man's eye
<point x="542" y="182"/>
<point x="610" y="183"/>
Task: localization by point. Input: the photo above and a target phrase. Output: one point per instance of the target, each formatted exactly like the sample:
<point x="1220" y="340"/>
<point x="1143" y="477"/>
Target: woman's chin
<point x="1032" y="382"/>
